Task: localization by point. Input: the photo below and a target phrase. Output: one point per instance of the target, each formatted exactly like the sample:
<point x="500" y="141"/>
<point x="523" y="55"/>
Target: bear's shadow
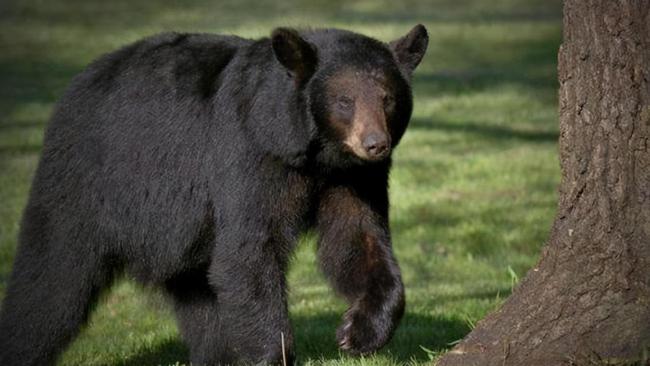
<point x="314" y="340"/>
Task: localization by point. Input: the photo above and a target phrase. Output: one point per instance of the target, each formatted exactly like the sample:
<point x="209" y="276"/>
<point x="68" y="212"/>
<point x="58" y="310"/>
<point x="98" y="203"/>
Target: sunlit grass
<point x="473" y="184"/>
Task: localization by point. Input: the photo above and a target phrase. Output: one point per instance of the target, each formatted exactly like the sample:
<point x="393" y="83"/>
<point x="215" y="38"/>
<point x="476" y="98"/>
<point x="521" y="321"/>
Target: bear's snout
<point x="376" y="145"/>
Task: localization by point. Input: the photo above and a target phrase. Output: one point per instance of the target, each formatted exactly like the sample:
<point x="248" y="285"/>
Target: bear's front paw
<point x="363" y="332"/>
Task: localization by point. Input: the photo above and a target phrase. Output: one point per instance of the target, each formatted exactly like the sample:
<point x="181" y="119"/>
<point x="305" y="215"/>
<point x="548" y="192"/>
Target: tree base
<point x="554" y="318"/>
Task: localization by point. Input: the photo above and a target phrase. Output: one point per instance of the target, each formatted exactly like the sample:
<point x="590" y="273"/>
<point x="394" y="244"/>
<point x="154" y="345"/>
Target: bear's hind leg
<point x="51" y="291"/>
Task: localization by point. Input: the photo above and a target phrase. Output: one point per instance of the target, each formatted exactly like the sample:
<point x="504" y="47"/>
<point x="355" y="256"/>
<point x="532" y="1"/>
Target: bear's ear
<point x="410" y="49"/>
<point x="294" y="53"/>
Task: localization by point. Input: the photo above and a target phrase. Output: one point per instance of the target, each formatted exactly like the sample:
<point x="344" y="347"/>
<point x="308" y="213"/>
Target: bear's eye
<point x="389" y="102"/>
<point x="344" y="103"/>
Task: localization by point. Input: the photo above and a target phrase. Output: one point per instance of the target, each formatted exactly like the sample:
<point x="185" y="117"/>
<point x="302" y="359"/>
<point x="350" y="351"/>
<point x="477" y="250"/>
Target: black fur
<point x="193" y="162"/>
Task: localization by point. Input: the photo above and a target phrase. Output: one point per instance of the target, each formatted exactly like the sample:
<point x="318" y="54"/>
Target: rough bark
<point x="587" y="301"/>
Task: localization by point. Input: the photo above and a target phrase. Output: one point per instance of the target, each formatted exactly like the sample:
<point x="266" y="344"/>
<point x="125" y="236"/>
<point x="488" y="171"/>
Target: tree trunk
<point x="587" y="301"/>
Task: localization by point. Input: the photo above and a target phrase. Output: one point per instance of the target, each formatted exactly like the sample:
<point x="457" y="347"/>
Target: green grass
<point x="472" y="190"/>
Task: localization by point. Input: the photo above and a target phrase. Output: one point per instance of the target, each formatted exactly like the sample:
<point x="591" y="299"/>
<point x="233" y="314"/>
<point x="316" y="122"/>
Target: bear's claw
<point x="358" y="335"/>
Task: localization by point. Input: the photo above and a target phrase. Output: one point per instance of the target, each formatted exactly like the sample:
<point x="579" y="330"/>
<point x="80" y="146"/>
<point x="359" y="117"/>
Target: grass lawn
<point x="473" y="187"/>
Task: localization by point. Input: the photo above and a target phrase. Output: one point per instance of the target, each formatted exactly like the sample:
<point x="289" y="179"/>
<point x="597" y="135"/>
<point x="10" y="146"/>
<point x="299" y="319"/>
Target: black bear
<point x="192" y="162"/>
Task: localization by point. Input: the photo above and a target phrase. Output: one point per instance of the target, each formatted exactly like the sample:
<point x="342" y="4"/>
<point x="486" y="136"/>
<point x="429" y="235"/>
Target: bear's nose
<point x="376" y="144"/>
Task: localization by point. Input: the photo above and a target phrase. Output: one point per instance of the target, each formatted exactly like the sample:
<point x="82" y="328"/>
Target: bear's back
<point x="131" y="138"/>
<point x="145" y="85"/>
<point x="151" y="94"/>
<point x="184" y="63"/>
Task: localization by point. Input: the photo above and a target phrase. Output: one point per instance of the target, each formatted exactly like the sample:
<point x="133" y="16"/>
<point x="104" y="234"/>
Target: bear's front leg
<point x="355" y="253"/>
<point x="248" y="277"/>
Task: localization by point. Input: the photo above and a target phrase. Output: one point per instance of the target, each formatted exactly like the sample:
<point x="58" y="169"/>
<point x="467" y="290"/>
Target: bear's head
<point x="357" y="88"/>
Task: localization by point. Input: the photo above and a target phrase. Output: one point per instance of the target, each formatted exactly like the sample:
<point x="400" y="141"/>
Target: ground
<point x="473" y="187"/>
